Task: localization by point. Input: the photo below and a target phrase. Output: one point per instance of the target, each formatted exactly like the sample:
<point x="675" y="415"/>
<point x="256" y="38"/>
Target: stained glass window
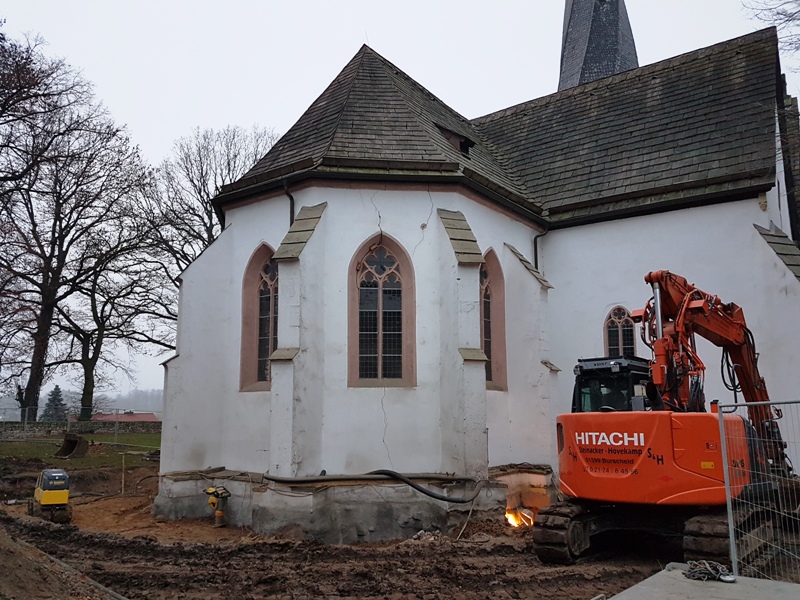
<point x="267" y="318"/>
<point x="620" y="339"/>
<point x="486" y="319"/>
<point x="380" y="316"/>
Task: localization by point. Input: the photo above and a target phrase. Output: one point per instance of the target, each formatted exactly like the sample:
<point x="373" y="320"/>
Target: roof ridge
<point x="362" y="51"/>
<point x="714" y="49"/>
<point x="416" y="83"/>
<point x="490" y="148"/>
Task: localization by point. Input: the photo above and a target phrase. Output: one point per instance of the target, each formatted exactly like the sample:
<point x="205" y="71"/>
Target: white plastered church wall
<point x="426" y="427"/>
<point x="519" y="419"/>
<point x="208" y="422"/>
<point x="438" y="425"/>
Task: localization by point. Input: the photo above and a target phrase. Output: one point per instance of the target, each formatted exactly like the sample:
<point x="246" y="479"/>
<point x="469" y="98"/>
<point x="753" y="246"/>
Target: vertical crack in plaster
<point x="372" y="200"/>
<point x="385" y="428"/>
<point x="424" y="225"/>
<point x="383" y="407"/>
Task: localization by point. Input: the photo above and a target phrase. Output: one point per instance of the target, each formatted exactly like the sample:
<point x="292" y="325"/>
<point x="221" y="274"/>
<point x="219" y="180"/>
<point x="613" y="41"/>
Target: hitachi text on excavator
<point x="640" y="452"/>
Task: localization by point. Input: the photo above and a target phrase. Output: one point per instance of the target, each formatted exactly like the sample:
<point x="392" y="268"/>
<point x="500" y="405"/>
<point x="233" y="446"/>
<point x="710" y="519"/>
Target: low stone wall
<point x="17" y="429"/>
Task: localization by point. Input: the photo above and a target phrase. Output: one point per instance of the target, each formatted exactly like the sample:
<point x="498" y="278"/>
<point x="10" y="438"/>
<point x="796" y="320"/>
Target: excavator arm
<point x="670" y="320"/>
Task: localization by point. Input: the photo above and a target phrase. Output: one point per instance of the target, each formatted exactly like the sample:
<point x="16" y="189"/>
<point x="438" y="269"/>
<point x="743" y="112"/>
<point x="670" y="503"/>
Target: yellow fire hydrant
<point x="217" y="499"/>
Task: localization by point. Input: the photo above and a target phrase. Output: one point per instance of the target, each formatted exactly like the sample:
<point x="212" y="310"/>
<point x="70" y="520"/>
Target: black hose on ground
<point x="400" y="477"/>
<point x="380" y="473"/>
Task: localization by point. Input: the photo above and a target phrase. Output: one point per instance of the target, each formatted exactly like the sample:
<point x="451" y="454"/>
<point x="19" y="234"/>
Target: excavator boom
<point x="677" y="313"/>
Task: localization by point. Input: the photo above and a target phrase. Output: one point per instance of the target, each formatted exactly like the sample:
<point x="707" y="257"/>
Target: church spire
<point x="597" y="42"/>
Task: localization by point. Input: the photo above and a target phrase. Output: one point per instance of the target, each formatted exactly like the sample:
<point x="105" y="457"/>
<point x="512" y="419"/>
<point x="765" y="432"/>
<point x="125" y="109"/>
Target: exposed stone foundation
<point x="336" y="513"/>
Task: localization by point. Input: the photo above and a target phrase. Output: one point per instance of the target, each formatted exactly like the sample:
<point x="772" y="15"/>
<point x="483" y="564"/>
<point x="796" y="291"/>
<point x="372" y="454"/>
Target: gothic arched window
<point x="493" y="322"/>
<point x="267" y="318"/>
<point x="619" y="333"/>
<point x="259" y="320"/>
<point x="382" y="319"/>
<point x="486" y="319"/>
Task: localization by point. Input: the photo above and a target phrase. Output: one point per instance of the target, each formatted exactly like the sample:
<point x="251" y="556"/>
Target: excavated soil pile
<point x="115" y="541"/>
<point x="27" y="573"/>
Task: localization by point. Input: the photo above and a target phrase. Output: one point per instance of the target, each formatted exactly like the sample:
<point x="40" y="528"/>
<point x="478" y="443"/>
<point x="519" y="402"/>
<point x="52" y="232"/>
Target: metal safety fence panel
<point x="763" y="493"/>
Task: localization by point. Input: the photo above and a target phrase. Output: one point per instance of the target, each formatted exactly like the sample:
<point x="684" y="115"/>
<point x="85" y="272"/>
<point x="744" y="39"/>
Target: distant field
<point x="103" y="453"/>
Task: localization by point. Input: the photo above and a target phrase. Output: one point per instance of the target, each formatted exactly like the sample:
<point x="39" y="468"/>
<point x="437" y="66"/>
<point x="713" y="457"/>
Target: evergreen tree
<point x="55" y="409"/>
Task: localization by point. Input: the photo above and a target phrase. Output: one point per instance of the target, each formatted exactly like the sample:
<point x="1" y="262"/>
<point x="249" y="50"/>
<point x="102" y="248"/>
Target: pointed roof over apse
<point x="597" y="42"/>
<point x="374" y="119"/>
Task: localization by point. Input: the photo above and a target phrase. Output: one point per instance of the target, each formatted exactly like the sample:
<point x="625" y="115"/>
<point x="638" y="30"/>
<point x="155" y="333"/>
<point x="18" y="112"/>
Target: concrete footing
<point x="335" y="512"/>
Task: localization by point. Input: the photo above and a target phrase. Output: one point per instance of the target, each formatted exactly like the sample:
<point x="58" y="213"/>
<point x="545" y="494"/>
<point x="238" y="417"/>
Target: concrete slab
<point x="671" y="584"/>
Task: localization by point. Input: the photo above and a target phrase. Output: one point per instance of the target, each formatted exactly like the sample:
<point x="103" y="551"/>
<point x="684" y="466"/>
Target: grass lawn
<point x="152" y="441"/>
<point x="102" y="454"/>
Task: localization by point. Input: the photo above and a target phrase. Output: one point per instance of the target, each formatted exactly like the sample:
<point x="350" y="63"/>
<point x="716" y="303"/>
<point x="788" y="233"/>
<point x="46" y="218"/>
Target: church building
<point x="398" y="288"/>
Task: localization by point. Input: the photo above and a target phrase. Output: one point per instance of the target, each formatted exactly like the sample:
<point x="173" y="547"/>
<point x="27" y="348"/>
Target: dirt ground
<point x="115" y="541"/>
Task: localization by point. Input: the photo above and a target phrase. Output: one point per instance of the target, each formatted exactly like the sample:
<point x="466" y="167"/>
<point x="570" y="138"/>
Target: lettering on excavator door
<point x="573" y="454"/>
<point x="659" y="458"/>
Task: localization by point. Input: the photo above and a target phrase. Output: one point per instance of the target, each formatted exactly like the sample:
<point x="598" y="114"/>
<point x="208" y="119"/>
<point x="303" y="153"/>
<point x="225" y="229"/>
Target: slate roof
<point x="696" y="128"/>
<point x="789" y="118"/>
<point x="375" y="117"/>
<point x="597" y="42"/>
<point x="783" y="246"/>
<point x="696" y="125"/>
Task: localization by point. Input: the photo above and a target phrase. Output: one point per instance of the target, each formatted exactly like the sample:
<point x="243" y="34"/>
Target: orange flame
<point x="519" y="517"/>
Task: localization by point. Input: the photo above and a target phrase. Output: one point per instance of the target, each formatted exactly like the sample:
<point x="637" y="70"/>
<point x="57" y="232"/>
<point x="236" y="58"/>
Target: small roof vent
<point x="458" y="141"/>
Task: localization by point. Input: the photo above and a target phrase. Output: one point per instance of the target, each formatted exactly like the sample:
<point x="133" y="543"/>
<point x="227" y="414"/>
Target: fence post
<point x="116" y="425"/>
<point x="728" y="497"/>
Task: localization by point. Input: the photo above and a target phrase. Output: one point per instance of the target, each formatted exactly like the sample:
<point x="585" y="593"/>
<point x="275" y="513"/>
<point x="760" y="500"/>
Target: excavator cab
<point x="612" y="384"/>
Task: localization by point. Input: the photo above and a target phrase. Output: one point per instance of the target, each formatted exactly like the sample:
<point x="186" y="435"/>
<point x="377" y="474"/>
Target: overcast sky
<point x="164" y="67"/>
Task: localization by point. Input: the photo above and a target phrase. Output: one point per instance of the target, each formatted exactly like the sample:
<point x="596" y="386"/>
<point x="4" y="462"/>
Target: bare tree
<point x="35" y="93"/>
<point x="65" y="216"/>
<point x="113" y="310"/>
<point x="102" y="403"/>
<point x="180" y="215"/>
<point x="88" y="262"/>
<point x="200" y="165"/>
<point x="34" y="90"/>
<point x="784" y="15"/>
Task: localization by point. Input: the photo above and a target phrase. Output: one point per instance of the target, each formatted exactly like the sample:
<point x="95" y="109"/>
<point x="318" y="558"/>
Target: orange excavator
<point x="640" y="452"/>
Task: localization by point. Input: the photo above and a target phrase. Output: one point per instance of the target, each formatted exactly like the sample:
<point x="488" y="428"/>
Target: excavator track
<point x="562" y="531"/>
<point x="706" y="537"/>
<point x="559" y="534"/>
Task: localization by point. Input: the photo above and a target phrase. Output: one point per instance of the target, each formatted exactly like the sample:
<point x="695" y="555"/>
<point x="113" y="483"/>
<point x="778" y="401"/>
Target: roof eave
<point x="701" y="199"/>
<point x="381" y="170"/>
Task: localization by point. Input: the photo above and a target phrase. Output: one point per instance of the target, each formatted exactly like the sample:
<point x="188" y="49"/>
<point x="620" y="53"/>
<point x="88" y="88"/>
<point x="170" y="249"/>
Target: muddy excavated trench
<point x="115" y="541"/>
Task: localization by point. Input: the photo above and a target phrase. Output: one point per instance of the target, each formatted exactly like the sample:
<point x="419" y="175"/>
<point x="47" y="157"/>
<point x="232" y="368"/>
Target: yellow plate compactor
<point x="51" y="498"/>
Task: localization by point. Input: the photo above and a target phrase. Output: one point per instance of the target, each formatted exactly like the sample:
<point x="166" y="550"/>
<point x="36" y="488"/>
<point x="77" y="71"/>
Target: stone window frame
<point x="408" y="318"/>
<point x="251" y="284"/>
<point x="619" y="318"/>
<point x="497" y="363"/>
